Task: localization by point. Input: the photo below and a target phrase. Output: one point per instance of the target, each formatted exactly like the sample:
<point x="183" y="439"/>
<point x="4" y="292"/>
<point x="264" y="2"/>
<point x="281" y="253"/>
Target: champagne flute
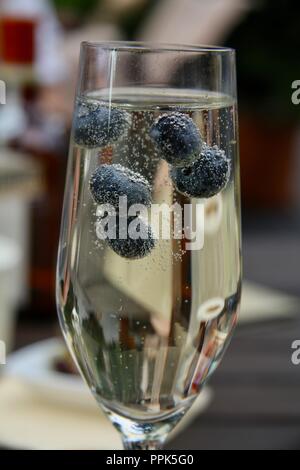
<point x="149" y="263"/>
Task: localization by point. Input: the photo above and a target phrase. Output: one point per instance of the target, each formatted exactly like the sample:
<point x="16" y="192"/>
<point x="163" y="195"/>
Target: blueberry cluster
<point x="196" y="169"/>
<point x="96" y="125"/>
<point x="107" y="184"/>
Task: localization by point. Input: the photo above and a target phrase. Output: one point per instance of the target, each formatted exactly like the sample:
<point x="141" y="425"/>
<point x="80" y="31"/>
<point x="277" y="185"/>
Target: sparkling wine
<point x="147" y="333"/>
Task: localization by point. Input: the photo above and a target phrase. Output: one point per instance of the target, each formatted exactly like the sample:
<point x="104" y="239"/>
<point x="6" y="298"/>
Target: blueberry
<point x="206" y="177"/>
<point x="177" y="138"/>
<point x="109" y="182"/>
<point x="97" y="125"/>
<point x="139" y="242"/>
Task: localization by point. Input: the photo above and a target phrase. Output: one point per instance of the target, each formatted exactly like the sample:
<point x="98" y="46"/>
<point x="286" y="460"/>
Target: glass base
<point x="142" y="435"/>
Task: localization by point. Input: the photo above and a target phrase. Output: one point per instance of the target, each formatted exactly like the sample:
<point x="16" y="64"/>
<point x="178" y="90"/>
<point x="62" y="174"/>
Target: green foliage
<point x="268" y="48"/>
<point x="130" y="22"/>
<point x="77" y="7"/>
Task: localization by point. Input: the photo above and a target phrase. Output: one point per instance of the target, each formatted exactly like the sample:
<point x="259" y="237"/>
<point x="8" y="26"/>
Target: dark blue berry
<point x="206" y="177"/>
<point x="109" y="182"/>
<point x="98" y="125"/>
<point x="177" y="138"/>
<point x="139" y="241"/>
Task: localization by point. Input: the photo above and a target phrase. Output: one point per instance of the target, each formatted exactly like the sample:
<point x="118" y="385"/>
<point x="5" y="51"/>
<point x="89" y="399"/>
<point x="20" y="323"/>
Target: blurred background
<point x="254" y="401"/>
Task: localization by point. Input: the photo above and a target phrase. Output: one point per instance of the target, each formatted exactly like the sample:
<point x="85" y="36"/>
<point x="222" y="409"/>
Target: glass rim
<point x="148" y="46"/>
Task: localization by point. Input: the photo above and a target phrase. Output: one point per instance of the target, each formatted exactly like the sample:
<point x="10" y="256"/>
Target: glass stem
<point x="142" y="444"/>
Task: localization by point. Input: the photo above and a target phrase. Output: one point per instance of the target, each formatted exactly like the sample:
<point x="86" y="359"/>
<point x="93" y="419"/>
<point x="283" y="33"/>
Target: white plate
<point x="34" y="366"/>
<point x="44" y="409"/>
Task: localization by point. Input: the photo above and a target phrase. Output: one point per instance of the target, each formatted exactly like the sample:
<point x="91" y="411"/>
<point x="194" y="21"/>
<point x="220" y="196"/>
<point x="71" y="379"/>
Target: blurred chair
<point x="193" y="21"/>
<point x="20" y="182"/>
<point x="10" y="263"/>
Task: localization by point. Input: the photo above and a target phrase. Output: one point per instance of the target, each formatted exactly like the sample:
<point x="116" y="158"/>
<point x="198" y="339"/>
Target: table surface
<point x="256" y="403"/>
<point x="256" y="388"/>
<point x="256" y="391"/>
